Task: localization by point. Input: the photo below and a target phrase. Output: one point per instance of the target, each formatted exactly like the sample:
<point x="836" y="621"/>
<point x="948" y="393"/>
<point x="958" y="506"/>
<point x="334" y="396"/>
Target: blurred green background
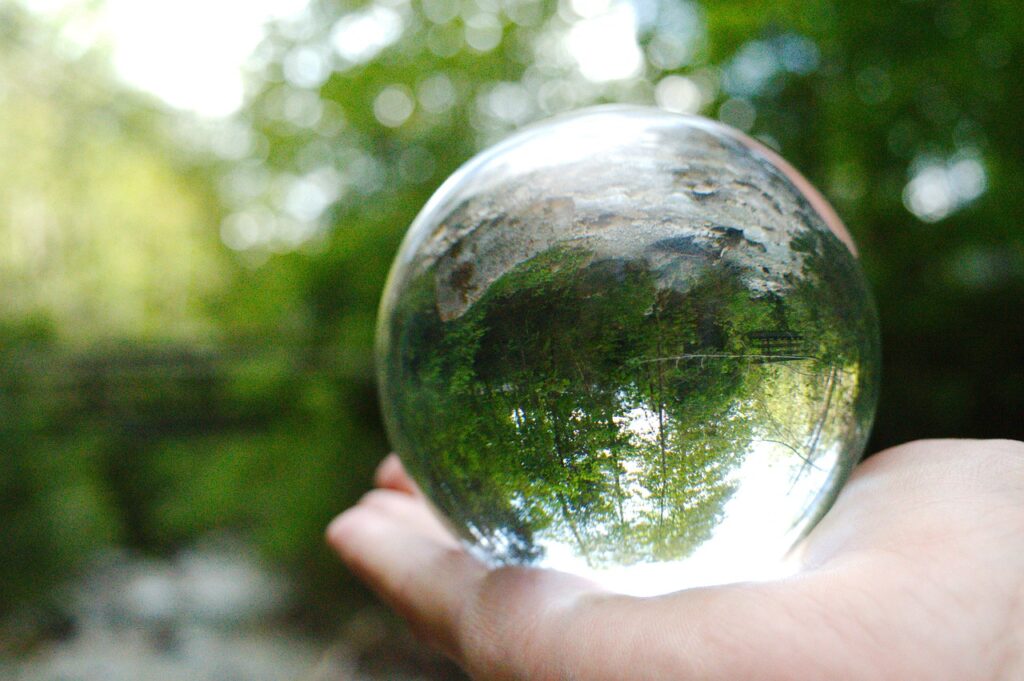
<point x="189" y="295"/>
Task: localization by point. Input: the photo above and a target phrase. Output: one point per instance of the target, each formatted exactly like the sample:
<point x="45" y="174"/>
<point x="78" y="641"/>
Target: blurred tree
<point x="105" y="237"/>
<point x="904" y="114"/>
<point x="106" y="227"/>
<point x="153" y="389"/>
<point x="187" y="337"/>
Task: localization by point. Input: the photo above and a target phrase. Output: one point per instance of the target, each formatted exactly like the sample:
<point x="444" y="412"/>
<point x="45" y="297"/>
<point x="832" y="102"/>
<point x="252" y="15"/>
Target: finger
<point x="391" y="474"/>
<point x="394" y="543"/>
<point x="487" y="620"/>
<point x="413" y="513"/>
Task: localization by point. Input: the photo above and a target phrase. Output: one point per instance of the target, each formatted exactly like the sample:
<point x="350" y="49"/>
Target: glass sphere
<point x="631" y="345"/>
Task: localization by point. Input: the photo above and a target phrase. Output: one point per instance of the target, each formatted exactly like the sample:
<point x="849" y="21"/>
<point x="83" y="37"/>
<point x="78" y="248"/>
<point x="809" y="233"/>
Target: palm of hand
<point x="916" y="573"/>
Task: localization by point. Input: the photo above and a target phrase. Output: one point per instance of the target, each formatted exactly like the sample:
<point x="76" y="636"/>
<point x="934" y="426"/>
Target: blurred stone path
<point x="211" y="614"/>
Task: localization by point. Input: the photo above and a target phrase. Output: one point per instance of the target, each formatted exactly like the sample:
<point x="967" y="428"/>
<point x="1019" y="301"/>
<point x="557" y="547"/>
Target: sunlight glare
<point x="359" y="36"/>
<point x="189" y="53"/>
<point x="604" y="46"/>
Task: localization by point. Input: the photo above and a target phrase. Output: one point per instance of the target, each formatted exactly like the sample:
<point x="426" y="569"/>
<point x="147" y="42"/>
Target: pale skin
<point x="917" y="573"/>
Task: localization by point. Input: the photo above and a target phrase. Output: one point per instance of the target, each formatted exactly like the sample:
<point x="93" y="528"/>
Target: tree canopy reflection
<point x="580" y="403"/>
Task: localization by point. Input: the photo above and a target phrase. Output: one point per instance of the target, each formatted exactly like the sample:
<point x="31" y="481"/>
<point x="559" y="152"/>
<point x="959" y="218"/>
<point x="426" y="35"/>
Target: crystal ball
<point x="631" y="345"/>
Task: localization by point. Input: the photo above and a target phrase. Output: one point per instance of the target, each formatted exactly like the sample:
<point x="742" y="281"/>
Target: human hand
<point x="917" y="572"/>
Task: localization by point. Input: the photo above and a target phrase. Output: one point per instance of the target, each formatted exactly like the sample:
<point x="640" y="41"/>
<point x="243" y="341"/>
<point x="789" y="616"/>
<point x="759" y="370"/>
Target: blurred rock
<point x="215" y="612"/>
<point x="210" y="613"/>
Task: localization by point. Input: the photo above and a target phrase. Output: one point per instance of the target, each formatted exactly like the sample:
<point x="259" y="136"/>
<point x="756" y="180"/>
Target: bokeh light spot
<point x="360" y="36"/>
<point x="483" y="32"/>
<point x="739" y="113"/>
<point x="436" y="93"/>
<point x="679" y="94"/>
<point x="393" y="106"/>
<point x="938" y="189"/>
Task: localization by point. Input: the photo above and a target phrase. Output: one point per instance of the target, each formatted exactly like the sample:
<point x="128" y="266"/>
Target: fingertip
<point x="389" y="467"/>
<point x="348" y="530"/>
<point x="424" y="577"/>
<point x="391" y="474"/>
<point x="340" y="529"/>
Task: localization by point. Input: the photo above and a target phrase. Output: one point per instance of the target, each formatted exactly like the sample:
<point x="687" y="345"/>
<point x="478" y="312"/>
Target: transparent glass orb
<point x="631" y="345"/>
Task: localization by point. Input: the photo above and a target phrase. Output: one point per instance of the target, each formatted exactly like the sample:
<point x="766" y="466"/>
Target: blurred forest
<point x="188" y="304"/>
